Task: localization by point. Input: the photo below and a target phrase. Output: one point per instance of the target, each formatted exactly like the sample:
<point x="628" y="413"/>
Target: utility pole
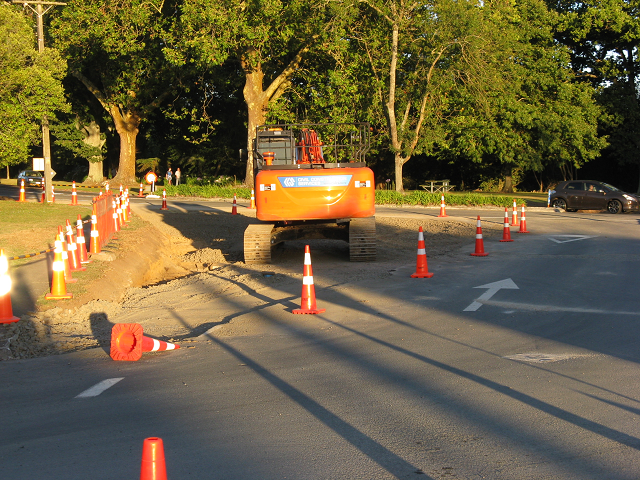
<point x="40" y="11"/>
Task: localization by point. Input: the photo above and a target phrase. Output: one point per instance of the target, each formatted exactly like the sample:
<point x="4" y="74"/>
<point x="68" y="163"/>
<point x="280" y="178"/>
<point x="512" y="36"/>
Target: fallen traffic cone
<point x="21" y="197"/>
<point x="422" y="271"/>
<point x="72" y="248"/>
<point x="479" y="242"/>
<point x="153" y="464"/>
<point x="95" y="234"/>
<point x="128" y="342"/>
<point x="308" y="288"/>
<point x="443" y="212"/>
<point x="514" y="218"/>
<point x="81" y="241"/>
<point x="253" y="200"/>
<point x="523" y="222"/>
<point x="141" y="191"/>
<point x="58" y="284"/>
<point x="6" y="311"/>
<point x="164" y="200"/>
<point x="234" y="208"/>
<point x="74" y="194"/>
<point x="506" y="232"/>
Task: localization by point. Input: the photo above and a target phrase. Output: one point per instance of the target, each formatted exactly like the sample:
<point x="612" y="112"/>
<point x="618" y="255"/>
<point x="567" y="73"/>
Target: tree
<point x="115" y="49"/>
<point x="30" y="87"/>
<point x="269" y="39"/>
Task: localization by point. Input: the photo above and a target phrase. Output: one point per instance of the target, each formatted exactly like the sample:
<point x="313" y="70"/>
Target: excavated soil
<point x="182" y="264"/>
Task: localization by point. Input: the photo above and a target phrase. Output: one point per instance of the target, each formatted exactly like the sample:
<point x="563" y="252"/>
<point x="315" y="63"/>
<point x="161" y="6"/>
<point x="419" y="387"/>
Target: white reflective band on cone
<point x="156" y="345"/>
<point x="420" y="236"/>
<point x="478" y="235"/>
<point x="307" y="259"/>
<point x="94" y="233"/>
<point x="422" y="251"/>
<point x="170" y="346"/>
<point x="5" y="284"/>
<point x="58" y="266"/>
<point x="307" y="280"/>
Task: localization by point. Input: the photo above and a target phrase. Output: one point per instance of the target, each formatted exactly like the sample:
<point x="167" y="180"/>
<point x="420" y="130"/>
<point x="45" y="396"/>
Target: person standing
<point x="168" y="176"/>
<point x="177" y="176"/>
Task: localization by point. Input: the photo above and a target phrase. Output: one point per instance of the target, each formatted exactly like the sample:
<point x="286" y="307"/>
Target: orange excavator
<point x="311" y="181"/>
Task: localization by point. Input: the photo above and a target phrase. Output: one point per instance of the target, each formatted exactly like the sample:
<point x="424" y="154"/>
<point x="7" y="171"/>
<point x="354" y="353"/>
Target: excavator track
<point x="362" y="239"/>
<point x="257" y="243"/>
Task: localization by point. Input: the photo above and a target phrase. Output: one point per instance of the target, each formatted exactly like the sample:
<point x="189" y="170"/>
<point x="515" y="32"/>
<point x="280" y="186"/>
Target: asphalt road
<point x="519" y="365"/>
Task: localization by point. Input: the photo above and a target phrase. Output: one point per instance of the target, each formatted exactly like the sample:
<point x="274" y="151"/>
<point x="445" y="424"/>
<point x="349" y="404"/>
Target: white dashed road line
<point x="98" y="388"/>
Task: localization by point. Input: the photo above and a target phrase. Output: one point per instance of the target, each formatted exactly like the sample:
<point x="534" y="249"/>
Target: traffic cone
<point x="308" y="288"/>
<point x="6" y="311"/>
<point x="81" y="241"/>
<point x="164" y="200"/>
<point x="479" y="242"/>
<point x="72" y="247"/>
<point x="422" y="271"/>
<point x="58" y="284"/>
<point x="44" y="196"/>
<point x="128" y="342"/>
<point x="74" y="194"/>
<point x="95" y="234"/>
<point x="141" y="191"/>
<point x="53" y="194"/>
<point x="153" y="464"/>
<point x="21" y="197"/>
<point x="116" y="219"/>
<point x="523" y="222"/>
<point x="253" y="200"/>
<point x="443" y="212"/>
<point x="514" y="218"/>
<point x="506" y="232"/>
<point x="120" y="212"/>
<point x="123" y="206"/>
<point x="234" y="208"/>
<point x="65" y="258"/>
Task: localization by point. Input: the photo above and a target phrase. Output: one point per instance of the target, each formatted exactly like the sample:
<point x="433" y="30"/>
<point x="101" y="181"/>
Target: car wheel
<point x="559" y="203"/>
<point x="614" y="206"/>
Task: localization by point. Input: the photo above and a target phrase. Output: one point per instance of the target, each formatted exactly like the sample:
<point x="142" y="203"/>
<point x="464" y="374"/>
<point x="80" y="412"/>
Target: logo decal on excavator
<point x="315" y="181"/>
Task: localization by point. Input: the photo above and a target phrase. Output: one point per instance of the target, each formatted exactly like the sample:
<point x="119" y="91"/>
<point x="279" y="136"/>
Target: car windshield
<point x="611" y="187"/>
<point x="30" y="173"/>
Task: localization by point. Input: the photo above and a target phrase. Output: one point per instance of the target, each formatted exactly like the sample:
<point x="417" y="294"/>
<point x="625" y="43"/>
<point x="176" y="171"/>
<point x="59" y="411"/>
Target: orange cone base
<point x="441" y="215"/>
<point x="481" y="254"/>
<point x="523" y="231"/>
<point x="422" y="275"/>
<point x="6" y="311"/>
<point x="309" y="310"/>
<point x="53" y="296"/>
<point x="507" y="240"/>
<point x="9" y="320"/>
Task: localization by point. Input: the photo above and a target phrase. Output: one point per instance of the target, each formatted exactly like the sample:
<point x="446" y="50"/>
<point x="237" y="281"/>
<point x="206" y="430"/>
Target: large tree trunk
<point x="399" y="163"/>
<point x="256" y="101"/>
<point x="96" y="172"/>
<point x="127" y="125"/>
<point x="92" y="138"/>
<point x="508" y="183"/>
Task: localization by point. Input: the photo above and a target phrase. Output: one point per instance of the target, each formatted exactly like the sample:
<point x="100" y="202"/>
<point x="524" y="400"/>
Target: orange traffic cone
<point x="74" y="257"/>
<point x="44" y="196"/>
<point x="58" y="284"/>
<point x="141" y="191"/>
<point x="479" y="242"/>
<point x="53" y="194"/>
<point x="128" y="342"/>
<point x="308" y="288"/>
<point x="422" y="271"/>
<point x="153" y="464"/>
<point x="514" y="218"/>
<point x="506" y="232"/>
<point x="74" y="194"/>
<point x="164" y="200"/>
<point x="253" y="200"/>
<point x="120" y="212"/>
<point x="523" y="222"/>
<point x="6" y="311"/>
<point x="81" y="241"/>
<point x="234" y="208"/>
<point x="95" y="234"/>
<point x="21" y="197"/>
<point x="116" y="218"/>
<point x="65" y="258"/>
<point x="443" y="212"/>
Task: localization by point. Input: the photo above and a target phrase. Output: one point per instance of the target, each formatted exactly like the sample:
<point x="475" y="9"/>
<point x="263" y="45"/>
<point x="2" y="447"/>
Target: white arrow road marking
<point x="98" y="388"/>
<point x="492" y="289"/>
<point x="569" y="238"/>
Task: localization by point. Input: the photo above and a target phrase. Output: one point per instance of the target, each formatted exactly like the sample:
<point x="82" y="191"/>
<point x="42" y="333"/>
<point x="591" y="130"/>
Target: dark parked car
<point x="31" y="178"/>
<point x="575" y="195"/>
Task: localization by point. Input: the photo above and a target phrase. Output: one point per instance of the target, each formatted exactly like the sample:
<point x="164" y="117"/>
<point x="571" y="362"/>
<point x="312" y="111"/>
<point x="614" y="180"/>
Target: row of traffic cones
<point x="422" y="270"/>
